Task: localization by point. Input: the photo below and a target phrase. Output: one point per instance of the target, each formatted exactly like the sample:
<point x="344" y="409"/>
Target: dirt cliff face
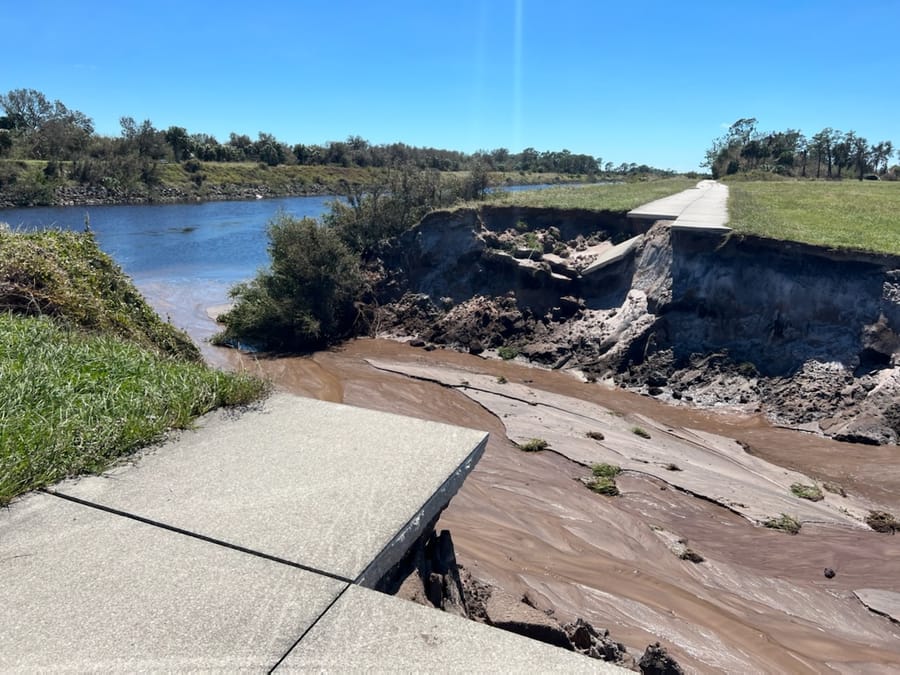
<point x="805" y="334"/>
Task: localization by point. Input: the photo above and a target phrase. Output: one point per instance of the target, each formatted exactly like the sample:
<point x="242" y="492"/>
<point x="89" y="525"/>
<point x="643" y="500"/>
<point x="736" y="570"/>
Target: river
<point x="522" y="521"/>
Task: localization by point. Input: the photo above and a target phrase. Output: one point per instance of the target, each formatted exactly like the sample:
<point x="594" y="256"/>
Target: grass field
<point x="849" y="214"/>
<point x="601" y="197"/>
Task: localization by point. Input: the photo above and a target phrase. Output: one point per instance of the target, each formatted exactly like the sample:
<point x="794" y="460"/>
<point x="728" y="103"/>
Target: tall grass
<point x="71" y="402"/>
<point x="847" y="214"/>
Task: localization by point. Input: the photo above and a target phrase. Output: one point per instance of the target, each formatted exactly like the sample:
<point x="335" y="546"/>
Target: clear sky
<point x="649" y="82"/>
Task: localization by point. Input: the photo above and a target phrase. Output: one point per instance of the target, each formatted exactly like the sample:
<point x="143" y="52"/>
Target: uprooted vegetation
<point x="603" y="479"/>
<point x="88" y="372"/>
<point x="784" y="522"/>
<point x="811" y="492"/>
<point x="882" y="521"/>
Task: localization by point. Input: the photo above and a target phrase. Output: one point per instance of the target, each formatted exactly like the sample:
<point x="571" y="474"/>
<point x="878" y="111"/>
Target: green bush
<point x="306" y="300"/>
<point x="604" y="486"/>
<point x="506" y="352"/>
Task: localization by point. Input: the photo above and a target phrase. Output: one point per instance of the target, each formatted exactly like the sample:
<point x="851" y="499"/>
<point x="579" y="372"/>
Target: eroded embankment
<point x="804" y="334"/>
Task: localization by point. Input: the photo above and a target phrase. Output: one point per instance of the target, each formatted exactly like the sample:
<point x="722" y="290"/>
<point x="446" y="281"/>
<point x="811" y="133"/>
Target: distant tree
<point x="180" y="142"/>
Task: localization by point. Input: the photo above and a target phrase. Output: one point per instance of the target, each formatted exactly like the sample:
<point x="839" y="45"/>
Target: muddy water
<point x="760" y="602"/>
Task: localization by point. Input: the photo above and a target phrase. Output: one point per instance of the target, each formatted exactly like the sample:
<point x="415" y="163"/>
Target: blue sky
<point x="647" y="82"/>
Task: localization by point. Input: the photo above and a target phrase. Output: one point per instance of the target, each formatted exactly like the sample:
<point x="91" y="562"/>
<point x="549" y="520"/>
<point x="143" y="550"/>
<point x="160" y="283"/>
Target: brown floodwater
<point x="760" y="601"/>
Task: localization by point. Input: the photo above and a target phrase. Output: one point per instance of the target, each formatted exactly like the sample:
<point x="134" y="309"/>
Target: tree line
<point x="830" y="153"/>
<point x="33" y="127"/>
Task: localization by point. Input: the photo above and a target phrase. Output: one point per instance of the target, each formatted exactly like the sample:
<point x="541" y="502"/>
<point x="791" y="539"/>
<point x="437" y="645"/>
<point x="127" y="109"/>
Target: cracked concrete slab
<point x="333" y="487"/>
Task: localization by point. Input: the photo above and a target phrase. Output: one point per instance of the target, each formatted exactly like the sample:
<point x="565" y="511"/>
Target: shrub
<point x="640" y="431"/>
<point x="785" y="523"/>
<point x="595" y="435"/>
<point x="502" y="379"/>
<point x="306" y="300"/>
<point x="534" y="445"/>
<point x="507" y="352"/>
<point x="810" y="492"/>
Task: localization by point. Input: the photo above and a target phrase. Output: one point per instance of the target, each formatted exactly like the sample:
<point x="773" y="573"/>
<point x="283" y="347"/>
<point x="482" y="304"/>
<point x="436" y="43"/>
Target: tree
<point x="306" y="299"/>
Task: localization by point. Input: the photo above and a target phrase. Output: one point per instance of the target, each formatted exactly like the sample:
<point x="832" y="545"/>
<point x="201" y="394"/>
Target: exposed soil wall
<point x="803" y="333"/>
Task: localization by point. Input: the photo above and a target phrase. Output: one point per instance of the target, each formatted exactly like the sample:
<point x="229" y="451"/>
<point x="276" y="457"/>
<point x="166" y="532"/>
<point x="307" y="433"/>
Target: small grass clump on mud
<point x="534" y="445"/>
<point x="811" y="492"/>
<point x="640" y="431"/>
<point x="848" y="214"/>
<point x="603" y="480"/>
<point x="784" y="522"/>
<point x="616" y="197"/>
<point x="882" y="521"/>
<point x="71" y="401"/>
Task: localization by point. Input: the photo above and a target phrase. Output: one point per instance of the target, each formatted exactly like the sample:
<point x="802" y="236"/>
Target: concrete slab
<point x="704" y="207"/>
<point x="337" y="489"/>
<point x="886" y="603"/>
<point x="85" y="590"/>
<point x="613" y="255"/>
<point x="381" y="633"/>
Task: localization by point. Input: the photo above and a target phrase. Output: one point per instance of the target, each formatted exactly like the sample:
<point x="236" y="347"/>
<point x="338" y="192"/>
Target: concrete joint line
<point x="195" y="535"/>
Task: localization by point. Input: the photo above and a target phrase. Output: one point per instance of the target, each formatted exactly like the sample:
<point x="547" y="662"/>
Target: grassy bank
<point x="88" y="372"/>
<point x="601" y="197"/>
<point x="72" y="402"/>
<point x="845" y="214"/>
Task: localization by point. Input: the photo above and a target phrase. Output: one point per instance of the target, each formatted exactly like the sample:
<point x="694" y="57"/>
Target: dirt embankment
<point x="805" y="335"/>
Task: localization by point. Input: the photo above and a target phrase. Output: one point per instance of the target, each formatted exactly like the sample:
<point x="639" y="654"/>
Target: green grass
<point x="65" y="275"/>
<point x="610" y="197"/>
<point x="640" y="431"/>
<point x="811" y="492"/>
<point x="603" y="479"/>
<point x="849" y="214"/>
<point x="605" y="470"/>
<point x="785" y="523"/>
<point x="534" y="445"/>
<point x="72" y="402"/>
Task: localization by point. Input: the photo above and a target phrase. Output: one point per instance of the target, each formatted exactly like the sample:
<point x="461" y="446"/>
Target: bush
<point x="506" y="352"/>
<point x="640" y="431"/>
<point x="306" y="300"/>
